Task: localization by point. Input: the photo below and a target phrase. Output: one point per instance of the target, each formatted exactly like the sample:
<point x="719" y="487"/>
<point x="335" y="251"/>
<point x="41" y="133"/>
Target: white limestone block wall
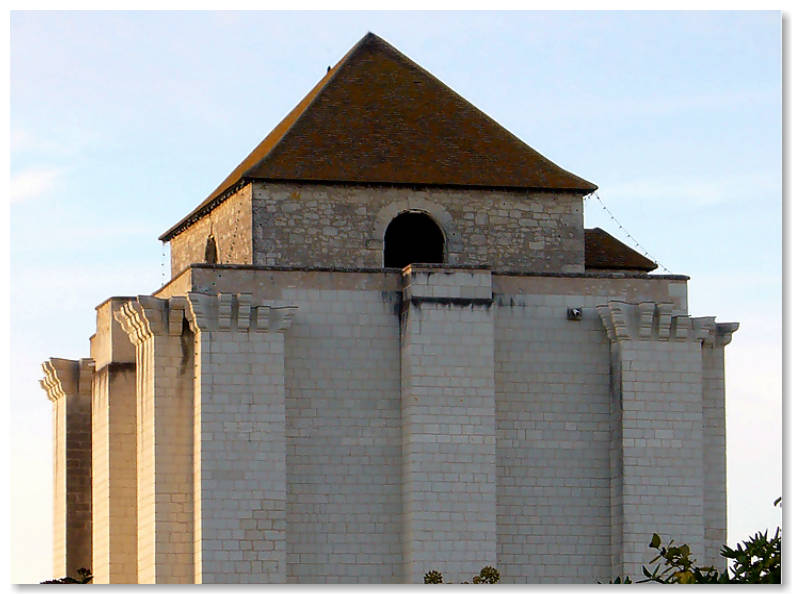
<point x="164" y="438"/>
<point x="122" y="464"/>
<point x="448" y="423"/>
<point x="343" y="436"/>
<point x="553" y="427"/>
<point x="53" y="387"/>
<point x="714" y="413"/>
<point x="100" y="492"/>
<point x="240" y="453"/>
<point x="662" y="488"/>
<point x="481" y="431"/>
<point x="114" y="445"/>
<point x="662" y="393"/>
<point x="68" y="386"/>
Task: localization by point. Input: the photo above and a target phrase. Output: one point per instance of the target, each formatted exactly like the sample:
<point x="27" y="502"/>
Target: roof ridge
<point x="377" y="116"/>
<point x="405" y="61"/>
<point x="320" y="88"/>
<point x="277" y="134"/>
<point x="492" y="120"/>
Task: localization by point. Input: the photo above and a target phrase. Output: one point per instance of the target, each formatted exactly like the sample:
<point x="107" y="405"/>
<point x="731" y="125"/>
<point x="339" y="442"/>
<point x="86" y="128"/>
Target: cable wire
<point x="640" y="248"/>
<point x="162" y="264"/>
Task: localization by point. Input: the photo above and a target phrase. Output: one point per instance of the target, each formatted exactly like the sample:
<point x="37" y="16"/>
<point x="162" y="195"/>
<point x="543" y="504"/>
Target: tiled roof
<point x="377" y="117"/>
<point x="605" y="251"/>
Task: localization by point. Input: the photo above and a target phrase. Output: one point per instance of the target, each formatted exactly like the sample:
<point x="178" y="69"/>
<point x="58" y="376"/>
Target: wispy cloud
<point x="31" y="183"/>
<point x="61" y="139"/>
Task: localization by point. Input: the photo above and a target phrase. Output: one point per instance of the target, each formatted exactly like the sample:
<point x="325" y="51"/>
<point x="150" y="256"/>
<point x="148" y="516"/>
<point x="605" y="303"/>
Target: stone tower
<point x="390" y="346"/>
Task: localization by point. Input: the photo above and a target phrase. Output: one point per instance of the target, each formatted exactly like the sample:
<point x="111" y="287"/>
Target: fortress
<point x="390" y="346"/>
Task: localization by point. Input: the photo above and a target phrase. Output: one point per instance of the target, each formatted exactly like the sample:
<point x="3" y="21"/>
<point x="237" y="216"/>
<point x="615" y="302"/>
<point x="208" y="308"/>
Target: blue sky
<point x="122" y="122"/>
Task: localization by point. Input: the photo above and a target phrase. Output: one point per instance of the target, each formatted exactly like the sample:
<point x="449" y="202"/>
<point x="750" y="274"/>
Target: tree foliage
<point x="756" y="560"/>
<point x="487" y="575"/>
<point x="85" y="578"/>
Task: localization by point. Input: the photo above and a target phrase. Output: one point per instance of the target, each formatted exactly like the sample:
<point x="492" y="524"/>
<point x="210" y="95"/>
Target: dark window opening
<point x="210" y="254"/>
<point x="413" y="237"/>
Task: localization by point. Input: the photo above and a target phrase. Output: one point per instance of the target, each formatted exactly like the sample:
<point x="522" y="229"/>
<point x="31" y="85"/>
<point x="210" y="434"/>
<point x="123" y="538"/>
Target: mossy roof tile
<point x="379" y="118"/>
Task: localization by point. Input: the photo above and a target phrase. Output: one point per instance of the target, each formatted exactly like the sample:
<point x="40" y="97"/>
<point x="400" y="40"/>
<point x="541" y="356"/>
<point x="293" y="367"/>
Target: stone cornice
<point x="654" y="321"/>
<point x="155" y="314"/>
<point x="235" y="312"/>
<point x="133" y="321"/>
<point x="66" y="377"/>
<point x="370" y="270"/>
<point x="147" y="316"/>
<point x="725" y="330"/>
<point x="59" y="378"/>
<point x="715" y="334"/>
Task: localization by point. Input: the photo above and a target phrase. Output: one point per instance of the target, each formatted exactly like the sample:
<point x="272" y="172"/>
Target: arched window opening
<point x="210" y="254"/>
<point x="413" y="237"/>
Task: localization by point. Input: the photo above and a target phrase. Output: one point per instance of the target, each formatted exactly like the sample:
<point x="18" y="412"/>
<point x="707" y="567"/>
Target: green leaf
<point x="655" y="541"/>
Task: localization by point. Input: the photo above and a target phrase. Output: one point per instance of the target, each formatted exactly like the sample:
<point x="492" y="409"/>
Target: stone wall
<point x="230" y="224"/>
<point x="552" y="399"/>
<point x="659" y="383"/>
<point x="240" y="447"/>
<point x="114" y="466"/>
<point x="122" y="464"/>
<point x="432" y="418"/>
<point x="448" y="423"/>
<point x="315" y="225"/>
<point x="59" y="517"/>
<point x="714" y="416"/>
<point x="114" y="475"/>
<point x="164" y="452"/>
<point x="344" y="226"/>
<point x="101" y="478"/>
<point x="68" y="386"/>
<point x="343" y="429"/>
<point x="552" y="407"/>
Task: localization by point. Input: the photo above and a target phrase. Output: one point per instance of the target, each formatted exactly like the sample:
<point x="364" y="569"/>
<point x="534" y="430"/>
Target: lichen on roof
<point x="604" y="251"/>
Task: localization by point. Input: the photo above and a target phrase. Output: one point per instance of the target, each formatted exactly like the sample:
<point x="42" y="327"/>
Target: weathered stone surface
<point x="68" y="386"/>
<point x="230" y="224"/>
<point x="314" y="225"/>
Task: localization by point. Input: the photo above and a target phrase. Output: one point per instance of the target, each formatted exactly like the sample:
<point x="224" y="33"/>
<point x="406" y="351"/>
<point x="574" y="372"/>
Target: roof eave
<point x="643" y="269"/>
<point x="202" y="210"/>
